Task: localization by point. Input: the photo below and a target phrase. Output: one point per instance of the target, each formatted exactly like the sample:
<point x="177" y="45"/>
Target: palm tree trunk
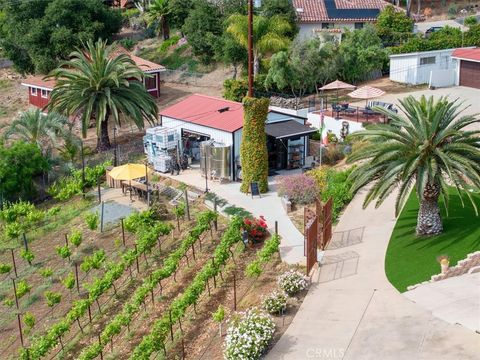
<point x="165" y="29"/>
<point x="429" y="221"/>
<point x="103" y="140"/>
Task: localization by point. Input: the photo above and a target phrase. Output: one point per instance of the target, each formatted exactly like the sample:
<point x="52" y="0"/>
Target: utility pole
<point x="250" y="48"/>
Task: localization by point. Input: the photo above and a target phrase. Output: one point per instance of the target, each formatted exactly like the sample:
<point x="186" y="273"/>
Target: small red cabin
<point x="39" y="89"/>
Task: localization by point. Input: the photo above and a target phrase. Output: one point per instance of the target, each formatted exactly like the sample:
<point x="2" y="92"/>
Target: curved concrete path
<point x="362" y="316"/>
<point x="269" y="205"/>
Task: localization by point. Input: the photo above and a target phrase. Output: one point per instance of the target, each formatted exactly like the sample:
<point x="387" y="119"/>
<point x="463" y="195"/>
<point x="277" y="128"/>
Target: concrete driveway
<point x="455" y="300"/>
<point x="361" y="316"/>
<point x="469" y="96"/>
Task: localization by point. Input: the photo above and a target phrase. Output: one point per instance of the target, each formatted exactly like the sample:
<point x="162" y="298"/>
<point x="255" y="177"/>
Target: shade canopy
<point x="288" y="129"/>
<point x="338" y="85"/>
<point x="128" y="172"/>
<point x="366" y="92"/>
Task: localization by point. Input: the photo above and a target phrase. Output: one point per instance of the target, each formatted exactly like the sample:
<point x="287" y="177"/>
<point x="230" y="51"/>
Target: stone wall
<point x="463" y="266"/>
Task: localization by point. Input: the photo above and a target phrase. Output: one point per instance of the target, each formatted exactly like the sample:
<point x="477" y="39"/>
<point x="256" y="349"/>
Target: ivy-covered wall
<point x="253" y="150"/>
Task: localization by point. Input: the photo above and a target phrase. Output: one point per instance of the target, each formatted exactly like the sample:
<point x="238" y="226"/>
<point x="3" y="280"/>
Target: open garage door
<point x="469" y="74"/>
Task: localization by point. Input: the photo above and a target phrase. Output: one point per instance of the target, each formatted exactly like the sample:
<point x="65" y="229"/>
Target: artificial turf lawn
<point x="411" y="259"/>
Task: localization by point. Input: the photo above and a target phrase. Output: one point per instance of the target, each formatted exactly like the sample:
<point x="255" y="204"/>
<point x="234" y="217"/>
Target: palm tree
<point x="269" y="35"/>
<point x="99" y="83"/>
<point x="34" y="127"/>
<point x="427" y="148"/>
<point x="158" y="11"/>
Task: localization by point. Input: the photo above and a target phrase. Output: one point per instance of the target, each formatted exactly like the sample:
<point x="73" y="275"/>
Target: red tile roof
<point x="38" y="81"/>
<point x="315" y="11"/>
<point x="467" y="54"/>
<point x="203" y="110"/>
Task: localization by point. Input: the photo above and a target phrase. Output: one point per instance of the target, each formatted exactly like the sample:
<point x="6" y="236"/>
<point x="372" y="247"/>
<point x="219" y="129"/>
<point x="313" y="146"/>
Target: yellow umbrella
<point x="129" y="172"/>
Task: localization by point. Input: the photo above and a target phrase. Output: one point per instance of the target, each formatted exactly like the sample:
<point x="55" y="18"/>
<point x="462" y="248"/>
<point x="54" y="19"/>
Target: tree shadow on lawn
<point x="411" y="259"/>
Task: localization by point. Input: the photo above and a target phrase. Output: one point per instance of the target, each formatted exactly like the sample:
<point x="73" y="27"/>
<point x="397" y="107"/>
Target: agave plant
<point x="427" y="147"/>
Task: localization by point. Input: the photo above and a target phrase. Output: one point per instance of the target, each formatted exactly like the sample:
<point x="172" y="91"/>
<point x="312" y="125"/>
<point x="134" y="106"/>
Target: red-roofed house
<point x="317" y="16"/>
<point x="468" y="70"/>
<point x="199" y="118"/>
<point x="39" y="89"/>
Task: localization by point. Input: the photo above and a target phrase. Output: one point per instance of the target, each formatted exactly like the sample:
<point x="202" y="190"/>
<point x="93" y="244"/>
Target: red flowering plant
<point x="256" y="228"/>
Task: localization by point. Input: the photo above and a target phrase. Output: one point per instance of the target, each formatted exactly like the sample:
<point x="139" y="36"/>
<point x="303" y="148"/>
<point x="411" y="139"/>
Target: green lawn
<point x="411" y="260"/>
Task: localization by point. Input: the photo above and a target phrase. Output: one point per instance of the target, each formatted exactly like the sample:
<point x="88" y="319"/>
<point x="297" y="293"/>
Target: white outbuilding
<point x="435" y="68"/>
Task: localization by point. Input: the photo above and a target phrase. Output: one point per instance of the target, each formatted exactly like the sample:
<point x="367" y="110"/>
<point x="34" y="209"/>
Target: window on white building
<point x="427" y="60"/>
<point x="359" y="25"/>
<point x="33" y="91"/>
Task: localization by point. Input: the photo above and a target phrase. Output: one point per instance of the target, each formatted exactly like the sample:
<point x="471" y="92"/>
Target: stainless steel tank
<point x="204" y="157"/>
<point x="220" y="161"/>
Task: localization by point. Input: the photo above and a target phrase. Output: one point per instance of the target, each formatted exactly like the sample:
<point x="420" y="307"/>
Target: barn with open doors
<point x="468" y="67"/>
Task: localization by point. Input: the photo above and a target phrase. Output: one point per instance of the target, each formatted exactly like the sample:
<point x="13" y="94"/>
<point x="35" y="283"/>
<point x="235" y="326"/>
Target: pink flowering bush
<point x="300" y="189"/>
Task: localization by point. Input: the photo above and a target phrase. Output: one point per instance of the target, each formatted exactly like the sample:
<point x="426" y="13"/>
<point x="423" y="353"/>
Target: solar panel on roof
<point x="335" y="13"/>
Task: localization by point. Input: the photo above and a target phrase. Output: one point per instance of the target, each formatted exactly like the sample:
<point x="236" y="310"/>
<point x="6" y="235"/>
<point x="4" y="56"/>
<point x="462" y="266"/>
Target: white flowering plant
<point x="275" y="302"/>
<point x="248" y="335"/>
<point x="292" y="282"/>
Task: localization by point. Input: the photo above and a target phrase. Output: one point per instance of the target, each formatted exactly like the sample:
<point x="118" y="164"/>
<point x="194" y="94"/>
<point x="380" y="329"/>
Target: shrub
<point x="169" y="43"/>
<point x="29" y="320"/>
<point x="52" y="298"/>
<point x="275" y="302"/>
<point x="5" y="268"/>
<point x="23" y="288"/>
<point x="235" y="90"/>
<point x="92" y="220"/>
<point x="248" y="335"/>
<point x="300" y="189"/>
<point x="27" y="255"/>
<point x="76" y="237"/>
<point x="63" y="251"/>
<point x="46" y="272"/>
<point x="69" y="281"/>
<point x="128" y="43"/>
<point x="452" y="9"/>
<point x="332" y="154"/>
<point x="292" y="282"/>
<point x="334" y="184"/>
<point x="255" y="227"/>
<point x="470" y="20"/>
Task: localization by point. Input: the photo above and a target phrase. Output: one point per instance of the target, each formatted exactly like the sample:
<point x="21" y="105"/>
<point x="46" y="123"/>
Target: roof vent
<point x="222" y="110"/>
<point x="299" y="10"/>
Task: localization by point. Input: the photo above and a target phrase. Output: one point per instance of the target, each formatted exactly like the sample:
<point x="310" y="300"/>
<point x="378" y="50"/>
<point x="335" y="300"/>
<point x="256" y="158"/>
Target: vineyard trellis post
<point x="215" y="222"/>
<point x="14" y="264"/>
<point x="99" y="192"/>
<point x="20" y="328"/>
<point x="25" y="242"/>
<point x="187" y="205"/>
<point x="15" y="293"/>
<point x="101" y="215"/>
<point x="66" y="239"/>
<point x="123" y="231"/>
<point x="234" y="289"/>
<point x="77" y="278"/>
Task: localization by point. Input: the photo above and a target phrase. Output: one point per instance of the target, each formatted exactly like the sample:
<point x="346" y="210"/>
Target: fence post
<point x="187" y="205"/>
<point x="20" y="328"/>
<point x="25" y="242"/>
<point x="14" y="264"/>
<point x="98" y="189"/>
<point x="123" y="231"/>
<point x="276" y="227"/>
<point x="101" y="217"/>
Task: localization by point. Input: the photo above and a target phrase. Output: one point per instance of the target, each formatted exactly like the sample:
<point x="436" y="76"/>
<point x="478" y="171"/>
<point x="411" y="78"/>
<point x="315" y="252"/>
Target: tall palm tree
<point x="269" y="35"/>
<point x="34" y="127"/>
<point x="100" y="83"/>
<point x="427" y="148"/>
<point x="157" y="12"/>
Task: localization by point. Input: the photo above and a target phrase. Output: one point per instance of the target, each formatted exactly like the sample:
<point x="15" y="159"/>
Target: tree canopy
<point x="19" y="164"/>
<point x="393" y="26"/>
<point x="40" y="33"/>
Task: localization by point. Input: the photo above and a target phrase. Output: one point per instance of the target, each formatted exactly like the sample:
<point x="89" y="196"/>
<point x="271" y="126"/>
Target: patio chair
<point x="347" y="109"/>
<point x="337" y="108"/>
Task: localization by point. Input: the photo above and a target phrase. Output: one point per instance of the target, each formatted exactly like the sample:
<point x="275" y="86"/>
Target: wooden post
<point x="171" y="324"/>
<point x="180" y="325"/>
<point x="66" y="240"/>
<point x="79" y="325"/>
<point x="15" y="292"/>
<point x="151" y="292"/>
<point x="101" y="217"/>
<point x="234" y="290"/>
<point x="77" y="279"/>
<point x="89" y="314"/>
<point x="99" y="192"/>
<point x="25" y="242"/>
<point x="123" y="231"/>
<point x="14" y="264"/>
<point x="215" y="222"/>
<point x="100" y="343"/>
<point x="187" y="205"/>
<point x="20" y="328"/>
<point x="136" y="258"/>
<point x="183" y="350"/>
<point x="276" y="227"/>
<point x="193" y="252"/>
